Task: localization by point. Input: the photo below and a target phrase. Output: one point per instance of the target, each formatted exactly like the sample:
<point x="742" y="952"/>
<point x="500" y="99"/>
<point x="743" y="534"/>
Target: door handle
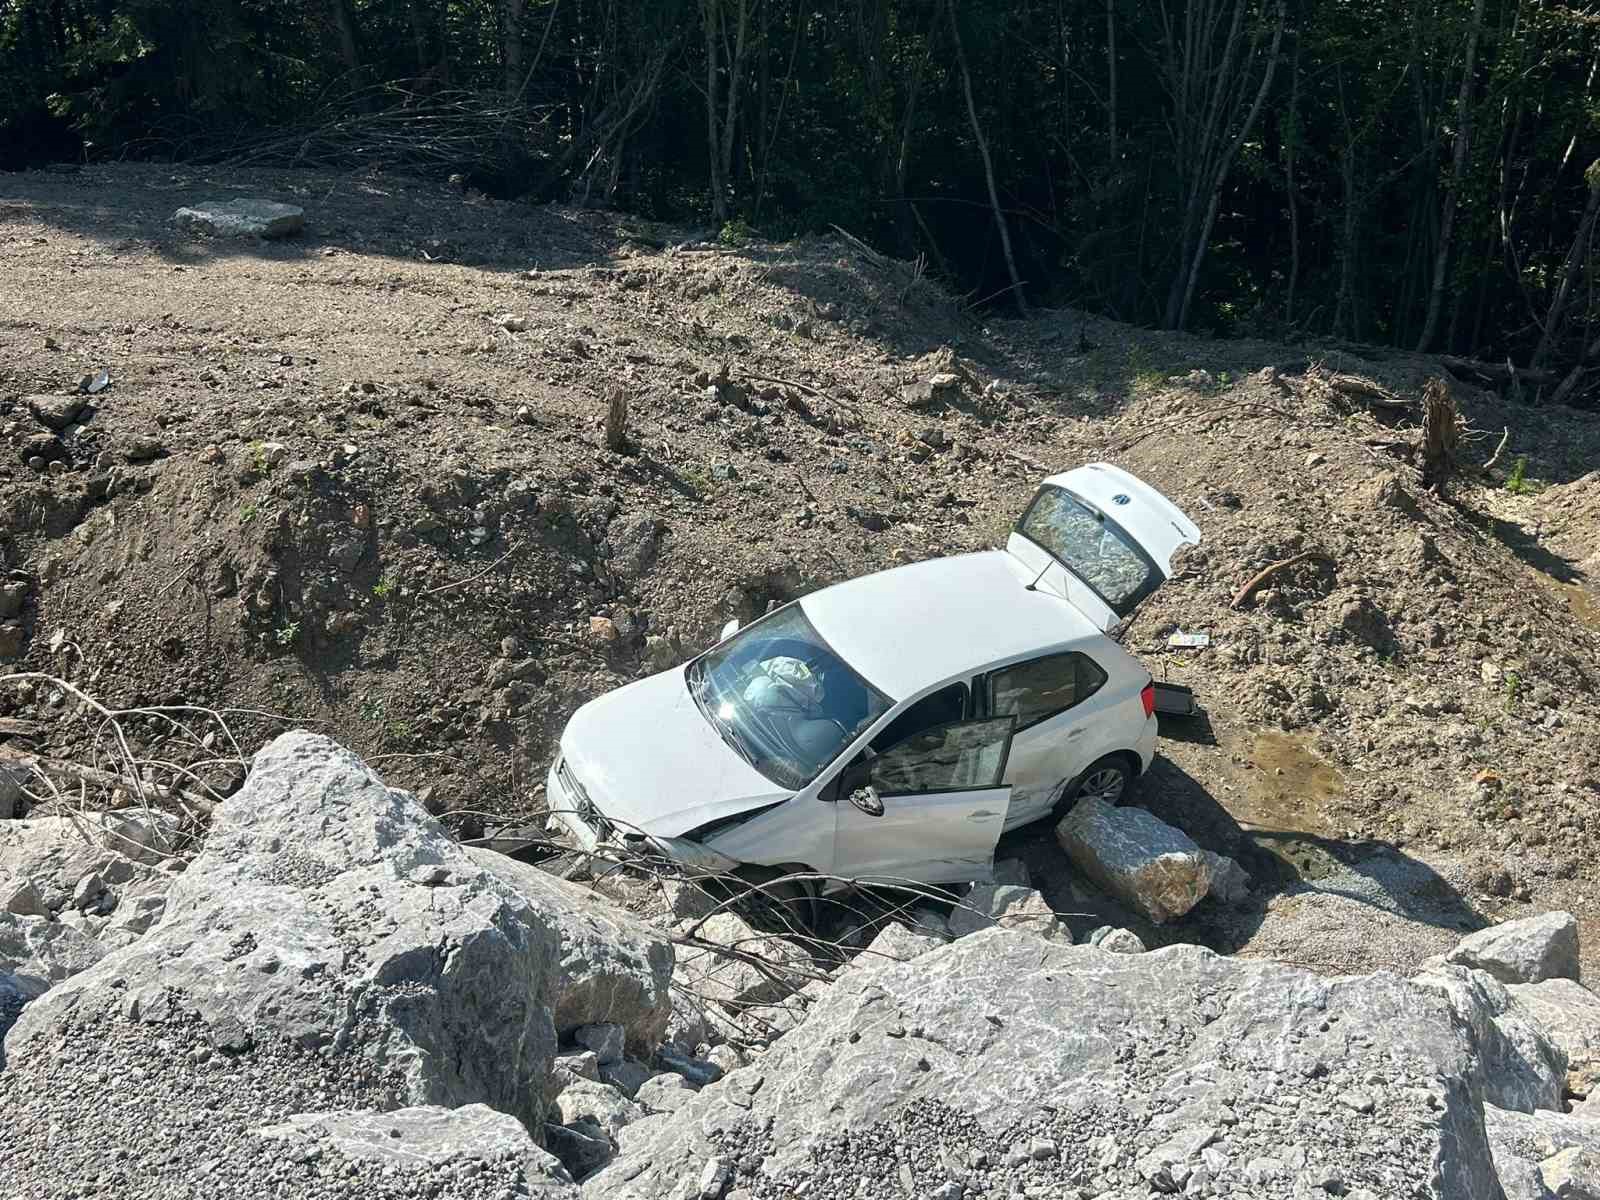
<point x="1076" y="733"/>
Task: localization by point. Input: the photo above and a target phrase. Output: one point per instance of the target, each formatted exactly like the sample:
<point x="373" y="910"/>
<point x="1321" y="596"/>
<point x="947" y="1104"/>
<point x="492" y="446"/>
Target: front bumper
<point x="570" y="810"/>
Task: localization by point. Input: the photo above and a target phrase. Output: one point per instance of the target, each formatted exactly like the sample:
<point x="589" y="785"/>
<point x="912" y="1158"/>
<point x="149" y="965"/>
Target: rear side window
<point x="1037" y="690"/>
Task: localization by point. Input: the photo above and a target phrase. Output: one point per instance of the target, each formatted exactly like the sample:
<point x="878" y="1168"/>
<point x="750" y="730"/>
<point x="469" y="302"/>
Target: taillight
<point x="1148" y="698"/>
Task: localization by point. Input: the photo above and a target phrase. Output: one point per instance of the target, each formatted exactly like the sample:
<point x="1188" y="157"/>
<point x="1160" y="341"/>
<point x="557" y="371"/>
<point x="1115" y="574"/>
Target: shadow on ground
<point x="1280" y="863"/>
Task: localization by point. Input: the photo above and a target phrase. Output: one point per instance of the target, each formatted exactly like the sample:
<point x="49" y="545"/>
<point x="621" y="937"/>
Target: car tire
<point x="1109" y="779"/>
<point x="788" y="904"/>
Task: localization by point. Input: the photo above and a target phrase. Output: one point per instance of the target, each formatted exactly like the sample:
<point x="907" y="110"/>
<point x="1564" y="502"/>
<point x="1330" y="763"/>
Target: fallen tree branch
<point x="56" y="769"/>
<point x="802" y="387"/>
<point x="1250" y="588"/>
<point x="1474" y="371"/>
<point x="445" y="587"/>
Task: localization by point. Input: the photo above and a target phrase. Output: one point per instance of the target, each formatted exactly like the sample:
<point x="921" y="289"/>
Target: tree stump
<point x="1442" y="435"/>
<point x="617" y="421"/>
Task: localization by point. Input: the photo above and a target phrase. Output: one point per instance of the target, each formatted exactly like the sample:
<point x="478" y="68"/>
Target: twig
<point x="445" y="587"/>
<point x="1498" y="450"/>
<point x="1250" y="588"/>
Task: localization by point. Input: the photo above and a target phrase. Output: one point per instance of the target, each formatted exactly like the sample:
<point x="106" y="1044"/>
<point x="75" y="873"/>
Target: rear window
<point x="1090" y="545"/>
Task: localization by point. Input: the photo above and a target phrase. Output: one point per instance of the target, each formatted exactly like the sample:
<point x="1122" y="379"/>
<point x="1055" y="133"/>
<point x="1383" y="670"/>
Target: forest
<point x="1422" y="174"/>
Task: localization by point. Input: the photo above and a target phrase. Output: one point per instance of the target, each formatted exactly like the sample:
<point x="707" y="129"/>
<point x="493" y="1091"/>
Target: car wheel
<point x="789" y="904"/>
<point x="1107" y="779"/>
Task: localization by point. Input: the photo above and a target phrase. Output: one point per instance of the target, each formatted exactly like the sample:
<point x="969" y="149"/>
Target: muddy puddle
<point x="1283" y="807"/>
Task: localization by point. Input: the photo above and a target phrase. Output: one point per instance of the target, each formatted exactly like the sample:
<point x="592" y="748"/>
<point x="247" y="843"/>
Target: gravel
<point x="1250" y="1145"/>
<point x="124" y="1110"/>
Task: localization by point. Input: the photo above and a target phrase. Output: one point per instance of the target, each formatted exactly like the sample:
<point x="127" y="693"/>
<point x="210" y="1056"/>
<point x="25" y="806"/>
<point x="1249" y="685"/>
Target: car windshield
<point x="782" y="699"/>
<point x="1091" y="546"/>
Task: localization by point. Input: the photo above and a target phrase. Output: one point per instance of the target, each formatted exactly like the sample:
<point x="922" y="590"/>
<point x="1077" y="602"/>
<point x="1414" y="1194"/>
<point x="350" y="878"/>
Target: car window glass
<point x="782" y="699"/>
<point x="1032" y="691"/>
<point x="1088" y="545"/>
<point x="948" y="758"/>
<point x="944" y="707"/>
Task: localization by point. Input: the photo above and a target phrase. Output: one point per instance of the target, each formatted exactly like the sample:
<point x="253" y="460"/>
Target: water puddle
<point x="1283" y="809"/>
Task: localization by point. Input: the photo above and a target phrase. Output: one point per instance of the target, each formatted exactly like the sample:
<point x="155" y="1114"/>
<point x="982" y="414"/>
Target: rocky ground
<point x="335" y="998"/>
<point x="357" y="480"/>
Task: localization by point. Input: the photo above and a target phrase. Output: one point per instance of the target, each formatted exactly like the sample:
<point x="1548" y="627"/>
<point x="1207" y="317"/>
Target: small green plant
<point x="384" y="588"/>
<point x="1518" y="483"/>
<point x="736" y="232"/>
<point x="287" y="633"/>
<point x="247" y="513"/>
<point x="258" y="458"/>
<point x="398" y="730"/>
<point x="372" y="710"/>
<point x="1513" y="686"/>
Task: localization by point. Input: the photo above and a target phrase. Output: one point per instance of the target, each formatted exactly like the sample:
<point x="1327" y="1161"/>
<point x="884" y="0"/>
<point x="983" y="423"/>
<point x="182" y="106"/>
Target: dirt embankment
<point x="358" y="480"/>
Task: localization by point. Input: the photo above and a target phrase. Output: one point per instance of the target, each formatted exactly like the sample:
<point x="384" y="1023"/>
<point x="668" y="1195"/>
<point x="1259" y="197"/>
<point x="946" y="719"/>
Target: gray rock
<point x="15" y="991"/>
<point x="606" y="1041"/>
<point x="599" y="1103"/>
<point x="1230" y="883"/>
<point x="696" y="1071"/>
<point x="44" y="950"/>
<point x="1568" y="1014"/>
<point x="1117" y="941"/>
<point x="1523" y="1069"/>
<point x="331" y="912"/>
<point x="20" y="898"/>
<point x="664" y="1093"/>
<point x="12" y="597"/>
<point x="1572" y="1174"/>
<point x="613" y="967"/>
<point x="57" y="412"/>
<point x="582" y="1148"/>
<point x="1136" y="857"/>
<point x="88" y="894"/>
<point x="1525" y="951"/>
<point x="895" y="943"/>
<point x="626" y="1076"/>
<point x="417" y="1141"/>
<point x="54" y="853"/>
<point x="241" y="218"/>
<point x="1080" y="1030"/>
<point x="1012" y="871"/>
<point x="987" y="905"/>
<point x="1523" y="1142"/>
<point x="633" y="543"/>
<point x="732" y="980"/>
<point x="714" y="1177"/>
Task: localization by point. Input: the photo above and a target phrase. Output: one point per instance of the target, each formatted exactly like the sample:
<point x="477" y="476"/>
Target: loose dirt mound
<point x="358" y="480"/>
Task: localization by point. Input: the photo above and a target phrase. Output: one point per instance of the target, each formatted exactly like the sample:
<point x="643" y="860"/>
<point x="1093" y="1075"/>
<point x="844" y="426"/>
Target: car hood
<point x="650" y="761"/>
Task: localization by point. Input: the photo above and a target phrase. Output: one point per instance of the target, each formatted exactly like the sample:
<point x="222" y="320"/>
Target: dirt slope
<point x="378" y="508"/>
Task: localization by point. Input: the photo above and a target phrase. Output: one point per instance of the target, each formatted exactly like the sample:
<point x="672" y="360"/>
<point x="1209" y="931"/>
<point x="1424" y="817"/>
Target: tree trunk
<point x="511" y="14"/>
<point x="736" y="66"/>
<point x="988" y="163"/>
<point x="1291" y="136"/>
<point x="1458" y="171"/>
<point x="345" y="26"/>
<point x="1178" y="315"/>
<point x="1111" y="83"/>
<point x="1569" y="272"/>
<point x="712" y="12"/>
<point x="419" y="34"/>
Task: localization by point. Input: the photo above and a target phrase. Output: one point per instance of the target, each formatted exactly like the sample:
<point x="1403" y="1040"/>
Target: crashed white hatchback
<point x="891" y="727"/>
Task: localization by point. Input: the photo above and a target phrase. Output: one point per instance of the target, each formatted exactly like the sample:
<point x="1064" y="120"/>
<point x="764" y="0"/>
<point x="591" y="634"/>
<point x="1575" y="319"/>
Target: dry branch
<point x="1472" y="370"/>
<point x="1255" y="583"/>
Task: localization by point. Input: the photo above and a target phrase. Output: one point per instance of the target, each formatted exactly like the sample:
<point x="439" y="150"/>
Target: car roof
<point x="909" y="628"/>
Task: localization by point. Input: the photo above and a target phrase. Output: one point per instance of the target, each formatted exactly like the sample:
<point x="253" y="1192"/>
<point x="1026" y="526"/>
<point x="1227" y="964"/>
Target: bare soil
<point x="377" y="508"/>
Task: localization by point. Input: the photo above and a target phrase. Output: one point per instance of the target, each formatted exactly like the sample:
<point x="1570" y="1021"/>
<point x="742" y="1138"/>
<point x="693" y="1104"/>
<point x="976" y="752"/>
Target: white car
<point x="891" y="727"/>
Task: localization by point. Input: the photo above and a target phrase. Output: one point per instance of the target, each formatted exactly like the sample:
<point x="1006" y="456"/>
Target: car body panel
<point x="652" y="763"/>
<point x="930" y="838"/>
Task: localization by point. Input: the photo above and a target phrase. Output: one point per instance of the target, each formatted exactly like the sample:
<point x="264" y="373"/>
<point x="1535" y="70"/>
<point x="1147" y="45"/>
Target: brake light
<point x="1148" y="698"/>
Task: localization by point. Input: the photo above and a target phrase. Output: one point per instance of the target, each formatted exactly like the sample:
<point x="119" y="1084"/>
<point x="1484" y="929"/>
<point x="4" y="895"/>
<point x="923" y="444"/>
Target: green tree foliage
<point x="1413" y="172"/>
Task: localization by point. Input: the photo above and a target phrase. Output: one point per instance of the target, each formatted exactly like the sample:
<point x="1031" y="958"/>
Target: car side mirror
<point x="867" y="800"/>
<point x="728" y="630"/>
<point x="856" y="776"/>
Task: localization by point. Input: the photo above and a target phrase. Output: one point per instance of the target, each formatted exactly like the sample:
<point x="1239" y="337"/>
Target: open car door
<point x="930" y="809"/>
<point x="1100" y="538"/>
